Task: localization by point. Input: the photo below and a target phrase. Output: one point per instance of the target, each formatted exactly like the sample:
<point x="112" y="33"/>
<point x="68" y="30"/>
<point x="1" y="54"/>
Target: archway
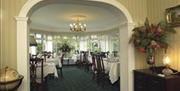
<point x="126" y="50"/>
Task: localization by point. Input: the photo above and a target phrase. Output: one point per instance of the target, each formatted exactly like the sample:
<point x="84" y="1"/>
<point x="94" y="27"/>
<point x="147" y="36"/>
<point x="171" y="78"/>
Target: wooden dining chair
<point x="94" y="67"/>
<point x="34" y="63"/>
<point x="99" y="72"/>
<point x="80" y="62"/>
<point x="86" y="62"/>
<point x="60" y="67"/>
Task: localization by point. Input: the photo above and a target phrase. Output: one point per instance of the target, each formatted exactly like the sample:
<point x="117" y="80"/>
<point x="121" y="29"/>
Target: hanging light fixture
<point x="78" y="26"/>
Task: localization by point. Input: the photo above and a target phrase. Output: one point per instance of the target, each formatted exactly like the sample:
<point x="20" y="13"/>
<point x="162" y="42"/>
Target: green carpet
<point x="76" y="79"/>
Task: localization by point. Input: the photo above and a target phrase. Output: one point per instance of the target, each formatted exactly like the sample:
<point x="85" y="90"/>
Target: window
<point x="94" y="42"/>
<point x="83" y="45"/>
<point x="49" y="44"/>
<point x="32" y="50"/>
<point x="38" y="36"/>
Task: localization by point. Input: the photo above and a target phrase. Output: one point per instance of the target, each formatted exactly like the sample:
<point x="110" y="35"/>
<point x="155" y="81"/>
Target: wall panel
<point x="11" y="9"/>
<point x="0" y="33"/>
<point x="137" y="9"/>
<point x="156" y="9"/>
<point x="174" y="50"/>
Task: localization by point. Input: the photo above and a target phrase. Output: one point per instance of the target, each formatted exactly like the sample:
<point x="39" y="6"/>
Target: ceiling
<point x="56" y="17"/>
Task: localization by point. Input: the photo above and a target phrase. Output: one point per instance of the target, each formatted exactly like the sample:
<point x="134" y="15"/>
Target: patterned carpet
<point x="76" y="79"/>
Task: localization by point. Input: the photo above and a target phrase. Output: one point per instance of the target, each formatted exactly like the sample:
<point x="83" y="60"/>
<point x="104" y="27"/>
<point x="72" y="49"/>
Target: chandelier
<point x="78" y="26"/>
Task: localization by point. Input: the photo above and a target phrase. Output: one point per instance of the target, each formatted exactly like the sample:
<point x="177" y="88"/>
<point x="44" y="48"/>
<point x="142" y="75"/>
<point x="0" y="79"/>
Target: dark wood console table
<point x="148" y="80"/>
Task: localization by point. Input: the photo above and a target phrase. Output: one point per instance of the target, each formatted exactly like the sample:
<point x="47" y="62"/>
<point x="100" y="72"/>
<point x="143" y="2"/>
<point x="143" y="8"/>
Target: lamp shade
<point x="166" y="60"/>
<point x="32" y="41"/>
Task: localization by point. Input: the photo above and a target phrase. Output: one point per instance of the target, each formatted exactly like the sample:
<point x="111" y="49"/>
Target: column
<point x="22" y="52"/>
<point x="126" y="58"/>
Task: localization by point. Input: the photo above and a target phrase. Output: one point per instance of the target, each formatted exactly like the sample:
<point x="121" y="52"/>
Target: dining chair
<point x="34" y="63"/>
<point x="98" y="70"/>
<point x="86" y="63"/>
<point x="80" y="62"/>
<point x="60" y="66"/>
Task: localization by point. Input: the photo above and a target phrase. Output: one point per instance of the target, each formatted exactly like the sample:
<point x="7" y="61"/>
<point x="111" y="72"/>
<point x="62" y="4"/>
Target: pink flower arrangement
<point x="151" y="36"/>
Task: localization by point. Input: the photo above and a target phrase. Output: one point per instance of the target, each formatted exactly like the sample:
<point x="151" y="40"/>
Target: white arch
<point x="126" y="50"/>
<point x="30" y="3"/>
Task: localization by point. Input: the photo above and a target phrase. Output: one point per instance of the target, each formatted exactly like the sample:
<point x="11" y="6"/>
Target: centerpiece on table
<point x="66" y="48"/>
<point x="149" y="37"/>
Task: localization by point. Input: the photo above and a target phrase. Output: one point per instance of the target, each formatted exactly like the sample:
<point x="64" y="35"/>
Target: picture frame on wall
<point x="173" y="16"/>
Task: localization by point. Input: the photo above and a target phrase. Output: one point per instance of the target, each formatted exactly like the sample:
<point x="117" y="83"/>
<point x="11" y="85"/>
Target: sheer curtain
<point x="33" y="50"/>
<point x="49" y="43"/>
<point x="49" y="46"/>
<point x="83" y="44"/>
<point x="104" y="45"/>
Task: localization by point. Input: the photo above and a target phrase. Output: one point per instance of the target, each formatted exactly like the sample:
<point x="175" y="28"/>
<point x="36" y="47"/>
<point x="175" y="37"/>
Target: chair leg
<point x="61" y="72"/>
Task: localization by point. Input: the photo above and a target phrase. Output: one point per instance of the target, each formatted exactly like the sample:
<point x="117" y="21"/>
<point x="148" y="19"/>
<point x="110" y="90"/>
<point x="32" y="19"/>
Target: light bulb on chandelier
<point x="78" y="25"/>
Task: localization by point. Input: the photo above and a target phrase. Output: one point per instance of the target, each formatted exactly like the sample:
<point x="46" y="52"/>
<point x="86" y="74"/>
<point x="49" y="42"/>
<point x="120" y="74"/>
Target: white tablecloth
<point x="48" y="68"/>
<point x="113" y="68"/>
<point x="55" y="60"/>
<point x="76" y="57"/>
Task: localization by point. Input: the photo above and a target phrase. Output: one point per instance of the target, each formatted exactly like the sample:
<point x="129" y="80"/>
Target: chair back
<point x="99" y="64"/>
<point x="62" y="58"/>
<point x="93" y="62"/>
<point x="85" y="57"/>
<point x="81" y="56"/>
<point x="34" y="63"/>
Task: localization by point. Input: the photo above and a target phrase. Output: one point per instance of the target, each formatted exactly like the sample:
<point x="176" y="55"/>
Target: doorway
<point x="126" y="50"/>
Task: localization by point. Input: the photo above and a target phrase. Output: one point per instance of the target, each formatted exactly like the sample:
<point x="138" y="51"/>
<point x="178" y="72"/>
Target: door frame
<point x="127" y="59"/>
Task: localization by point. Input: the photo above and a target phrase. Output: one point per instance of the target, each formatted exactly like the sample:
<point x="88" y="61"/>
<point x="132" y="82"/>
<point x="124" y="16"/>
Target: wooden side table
<point x="148" y="80"/>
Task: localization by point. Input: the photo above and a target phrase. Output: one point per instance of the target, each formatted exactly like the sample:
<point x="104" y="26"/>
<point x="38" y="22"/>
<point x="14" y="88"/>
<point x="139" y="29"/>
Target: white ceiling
<point x="56" y="17"/>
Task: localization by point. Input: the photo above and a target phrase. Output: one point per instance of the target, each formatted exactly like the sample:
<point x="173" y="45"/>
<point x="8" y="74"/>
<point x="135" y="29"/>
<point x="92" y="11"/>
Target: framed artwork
<point x="173" y="16"/>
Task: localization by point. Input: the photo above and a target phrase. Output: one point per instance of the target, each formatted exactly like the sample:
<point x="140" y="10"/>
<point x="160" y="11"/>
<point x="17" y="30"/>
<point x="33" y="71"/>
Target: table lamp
<point x="167" y="70"/>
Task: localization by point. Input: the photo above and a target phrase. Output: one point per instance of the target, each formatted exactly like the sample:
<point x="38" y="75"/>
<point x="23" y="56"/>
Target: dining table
<point x="112" y="67"/>
<point x="56" y="60"/>
<point x="76" y="57"/>
<point x="49" y="67"/>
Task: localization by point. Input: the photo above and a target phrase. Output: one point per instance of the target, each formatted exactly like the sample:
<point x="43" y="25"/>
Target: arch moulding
<point x="126" y="66"/>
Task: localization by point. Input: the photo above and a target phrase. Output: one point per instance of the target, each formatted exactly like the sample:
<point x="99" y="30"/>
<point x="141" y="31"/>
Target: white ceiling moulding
<point x="65" y="31"/>
<point x="127" y="23"/>
<point x="106" y="32"/>
<point x="68" y="30"/>
<point x="127" y="58"/>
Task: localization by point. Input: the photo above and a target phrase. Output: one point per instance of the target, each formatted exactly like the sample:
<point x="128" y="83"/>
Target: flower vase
<point x="150" y="56"/>
<point x="150" y="60"/>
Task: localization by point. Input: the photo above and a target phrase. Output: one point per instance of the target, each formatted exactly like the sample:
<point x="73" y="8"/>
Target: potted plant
<point x="149" y="37"/>
<point x="65" y="47"/>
